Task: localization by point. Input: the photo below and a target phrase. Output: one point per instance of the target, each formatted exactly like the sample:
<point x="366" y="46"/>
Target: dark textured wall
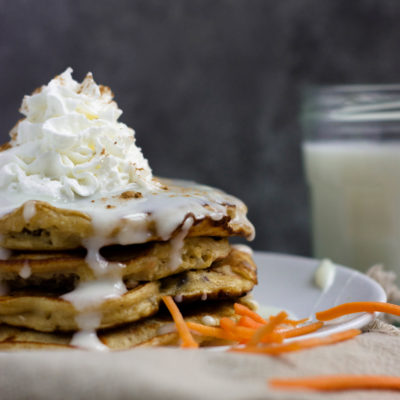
<point x="211" y="86"/>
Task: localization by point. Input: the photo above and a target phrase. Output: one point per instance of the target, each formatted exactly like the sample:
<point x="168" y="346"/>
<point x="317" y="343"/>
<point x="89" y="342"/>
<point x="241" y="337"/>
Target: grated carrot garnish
<point x="267" y="329"/>
<point x="227" y="326"/>
<point x="183" y="330"/>
<point x="355" y="307"/>
<point x="337" y="382"/>
<point x="295" y="322"/>
<point x="240" y="309"/>
<point x="299" y="344"/>
<point x="205" y="330"/>
<point x="302" y="330"/>
<point x="244" y="335"/>
<point x="249" y="322"/>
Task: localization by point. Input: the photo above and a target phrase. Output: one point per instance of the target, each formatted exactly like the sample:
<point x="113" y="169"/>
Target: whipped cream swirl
<point x="71" y="145"/>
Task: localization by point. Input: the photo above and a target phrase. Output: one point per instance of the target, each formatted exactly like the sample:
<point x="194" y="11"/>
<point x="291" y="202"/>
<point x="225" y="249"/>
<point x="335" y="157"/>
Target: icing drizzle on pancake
<point x="86" y="337"/>
<point x="93" y="293"/>
<point x="175" y="257"/>
<point x="25" y="271"/>
<point x="29" y="210"/>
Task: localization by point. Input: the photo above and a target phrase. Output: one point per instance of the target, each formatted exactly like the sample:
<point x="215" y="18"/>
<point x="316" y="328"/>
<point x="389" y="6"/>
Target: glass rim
<point x="351" y="87"/>
<point x="352" y="104"/>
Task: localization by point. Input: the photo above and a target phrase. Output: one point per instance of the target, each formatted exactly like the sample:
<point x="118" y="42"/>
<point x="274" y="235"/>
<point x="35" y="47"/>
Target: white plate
<point x="287" y="283"/>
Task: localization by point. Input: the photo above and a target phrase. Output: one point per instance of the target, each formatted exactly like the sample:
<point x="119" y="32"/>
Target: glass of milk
<point x="351" y="153"/>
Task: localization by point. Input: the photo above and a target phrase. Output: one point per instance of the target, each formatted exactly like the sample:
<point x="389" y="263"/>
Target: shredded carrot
<point x="299" y="344"/>
<point x="243" y="332"/>
<point x="267" y="329"/>
<point x="183" y="330"/>
<point x="302" y="330"/>
<point x="249" y="322"/>
<point x="244" y="335"/>
<point x="295" y="322"/>
<point x="240" y="309"/>
<point x="338" y="382"/>
<point x="355" y="307"/>
<point x="205" y="330"/>
<point x="227" y="325"/>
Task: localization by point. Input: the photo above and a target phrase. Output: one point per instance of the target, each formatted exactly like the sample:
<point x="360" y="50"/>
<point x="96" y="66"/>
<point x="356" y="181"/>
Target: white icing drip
<point x="88" y="320"/>
<point x="204" y="297"/>
<point x="325" y="275"/>
<point x="94" y="293"/>
<point x="209" y="320"/>
<point x="88" y="340"/>
<point x="243" y="248"/>
<point x="4" y="253"/>
<point x="94" y="259"/>
<point x="178" y="298"/>
<point x="86" y="337"/>
<point x="175" y="257"/>
<point x="167" y="328"/>
<point x="29" y="210"/>
<point x="254" y="303"/>
<point x="25" y="271"/>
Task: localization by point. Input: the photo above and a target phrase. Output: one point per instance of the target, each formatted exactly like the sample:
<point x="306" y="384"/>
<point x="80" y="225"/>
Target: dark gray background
<point x="210" y="86"/>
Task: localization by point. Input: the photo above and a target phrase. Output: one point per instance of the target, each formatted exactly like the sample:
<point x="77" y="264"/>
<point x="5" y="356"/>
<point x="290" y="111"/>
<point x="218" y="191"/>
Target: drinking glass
<point x="351" y="153"/>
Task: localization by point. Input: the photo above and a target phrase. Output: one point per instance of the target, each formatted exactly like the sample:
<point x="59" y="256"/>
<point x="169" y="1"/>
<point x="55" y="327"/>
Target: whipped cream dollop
<point x="71" y="145"/>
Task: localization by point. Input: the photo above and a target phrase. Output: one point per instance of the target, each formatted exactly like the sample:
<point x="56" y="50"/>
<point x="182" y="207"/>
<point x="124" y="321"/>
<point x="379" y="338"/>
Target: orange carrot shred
<point x="295" y="322"/>
<point x="240" y="309"/>
<point x="249" y="322"/>
<point x="299" y="344"/>
<point x="267" y="329"/>
<point x="207" y="330"/>
<point x="246" y="334"/>
<point x="355" y="307"/>
<point x="183" y="330"/>
<point x="227" y="325"/>
<point x="302" y="330"/>
<point x="338" y="382"/>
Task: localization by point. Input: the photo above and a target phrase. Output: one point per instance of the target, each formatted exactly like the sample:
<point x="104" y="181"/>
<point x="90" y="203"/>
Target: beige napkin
<point x="167" y="373"/>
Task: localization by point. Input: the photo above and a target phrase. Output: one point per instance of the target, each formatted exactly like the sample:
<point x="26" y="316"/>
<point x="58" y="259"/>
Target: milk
<point x="355" y="201"/>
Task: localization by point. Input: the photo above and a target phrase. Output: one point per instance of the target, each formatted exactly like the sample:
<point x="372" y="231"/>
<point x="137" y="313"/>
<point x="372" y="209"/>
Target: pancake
<point x="158" y="330"/>
<point x="231" y="277"/>
<point x="39" y="225"/>
<point x="61" y="271"/>
<point x="90" y="240"/>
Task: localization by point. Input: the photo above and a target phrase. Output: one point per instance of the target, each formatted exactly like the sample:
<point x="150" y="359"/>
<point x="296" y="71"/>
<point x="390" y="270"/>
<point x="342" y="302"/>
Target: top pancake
<point x="127" y="218"/>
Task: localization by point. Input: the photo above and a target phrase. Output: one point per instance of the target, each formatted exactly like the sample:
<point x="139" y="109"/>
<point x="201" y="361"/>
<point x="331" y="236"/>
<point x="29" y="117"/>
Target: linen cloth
<point x="166" y="373"/>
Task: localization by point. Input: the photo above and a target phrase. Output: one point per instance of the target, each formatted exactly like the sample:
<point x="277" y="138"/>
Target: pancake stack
<point x="91" y="241"/>
<point x="47" y="266"/>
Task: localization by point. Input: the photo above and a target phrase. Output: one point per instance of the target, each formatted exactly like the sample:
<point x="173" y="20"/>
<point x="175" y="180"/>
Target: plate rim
<point x="360" y="319"/>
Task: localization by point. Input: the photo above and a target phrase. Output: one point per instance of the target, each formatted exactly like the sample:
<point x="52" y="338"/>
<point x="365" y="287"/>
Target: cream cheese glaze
<point x="71" y="152"/>
<point x="86" y="337"/>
